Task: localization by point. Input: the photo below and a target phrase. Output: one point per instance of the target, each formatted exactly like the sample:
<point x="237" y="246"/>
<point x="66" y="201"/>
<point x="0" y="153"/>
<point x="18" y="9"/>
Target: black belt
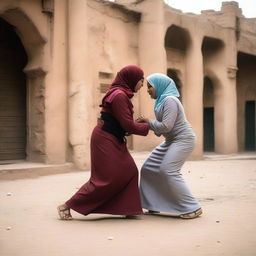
<point x="111" y="125"/>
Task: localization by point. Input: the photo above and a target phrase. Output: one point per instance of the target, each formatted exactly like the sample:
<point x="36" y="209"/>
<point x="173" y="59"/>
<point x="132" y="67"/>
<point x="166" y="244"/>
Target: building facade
<point x="58" y="57"/>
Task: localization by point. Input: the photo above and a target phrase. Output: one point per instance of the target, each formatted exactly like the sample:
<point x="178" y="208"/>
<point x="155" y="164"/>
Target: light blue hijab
<point x="164" y="86"/>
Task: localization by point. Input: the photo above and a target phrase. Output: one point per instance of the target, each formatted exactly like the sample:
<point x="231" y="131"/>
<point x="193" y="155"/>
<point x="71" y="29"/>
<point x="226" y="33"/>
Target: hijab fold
<point x="125" y="80"/>
<point x="164" y="87"/>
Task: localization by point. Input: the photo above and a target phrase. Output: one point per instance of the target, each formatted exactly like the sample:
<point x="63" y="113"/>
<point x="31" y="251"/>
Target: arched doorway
<point x="33" y="42"/>
<point x="212" y="50"/>
<point x="176" y="42"/>
<point x="13" y="59"/>
<point x="246" y="102"/>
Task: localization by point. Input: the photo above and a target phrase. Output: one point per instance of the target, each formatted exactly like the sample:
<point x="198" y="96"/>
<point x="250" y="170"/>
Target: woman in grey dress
<point x="162" y="187"/>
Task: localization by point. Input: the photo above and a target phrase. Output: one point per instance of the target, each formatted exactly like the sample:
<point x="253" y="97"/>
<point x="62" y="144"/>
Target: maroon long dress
<point x="113" y="185"/>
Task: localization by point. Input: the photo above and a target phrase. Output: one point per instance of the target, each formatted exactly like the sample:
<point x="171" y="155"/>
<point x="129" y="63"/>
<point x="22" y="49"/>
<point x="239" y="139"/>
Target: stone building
<point x="58" y="57"/>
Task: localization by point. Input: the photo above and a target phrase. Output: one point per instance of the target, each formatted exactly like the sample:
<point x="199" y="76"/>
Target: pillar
<point x="80" y="84"/>
<point x="56" y="90"/>
<point x="226" y="141"/>
<point x="193" y="92"/>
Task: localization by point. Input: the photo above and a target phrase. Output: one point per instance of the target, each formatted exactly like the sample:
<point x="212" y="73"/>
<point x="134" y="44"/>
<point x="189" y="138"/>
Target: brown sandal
<point x="192" y="215"/>
<point x="64" y="213"/>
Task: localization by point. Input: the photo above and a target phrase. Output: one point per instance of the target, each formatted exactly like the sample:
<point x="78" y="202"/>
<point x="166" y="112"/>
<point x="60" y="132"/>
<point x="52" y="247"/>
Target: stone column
<point x="152" y="59"/>
<point x="56" y="91"/>
<point x="193" y="92"/>
<point x="226" y="141"/>
<point x="226" y="101"/>
<point x="80" y="97"/>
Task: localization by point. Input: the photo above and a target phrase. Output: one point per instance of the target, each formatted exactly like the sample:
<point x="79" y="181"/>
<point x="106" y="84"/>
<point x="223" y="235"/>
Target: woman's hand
<point x="142" y="119"/>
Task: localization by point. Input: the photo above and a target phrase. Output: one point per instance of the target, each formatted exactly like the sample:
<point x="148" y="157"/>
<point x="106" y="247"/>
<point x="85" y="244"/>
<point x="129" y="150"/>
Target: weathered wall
<point x="75" y="48"/>
<point x="113" y="43"/>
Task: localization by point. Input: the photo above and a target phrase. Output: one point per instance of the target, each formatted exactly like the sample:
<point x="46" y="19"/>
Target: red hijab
<point x="125" y="80"/>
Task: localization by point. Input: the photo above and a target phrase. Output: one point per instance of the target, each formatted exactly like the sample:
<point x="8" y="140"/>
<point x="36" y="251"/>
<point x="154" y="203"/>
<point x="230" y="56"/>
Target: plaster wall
<point x="247" y="33"/>
<point x="113" y="44"/>
<point x="75" y="49"/>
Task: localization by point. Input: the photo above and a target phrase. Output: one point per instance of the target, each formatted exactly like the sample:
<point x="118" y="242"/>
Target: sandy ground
<point x="29" y="224"/>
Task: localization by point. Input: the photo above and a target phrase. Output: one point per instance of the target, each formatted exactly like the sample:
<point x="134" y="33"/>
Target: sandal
<point x="64" y="213"/>
<point x="192" y="215"/>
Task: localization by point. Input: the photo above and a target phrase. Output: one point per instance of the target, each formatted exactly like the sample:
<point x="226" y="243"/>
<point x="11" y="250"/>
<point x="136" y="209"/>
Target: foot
<point x="192" y="215"/>
<point x="64" y="212"/>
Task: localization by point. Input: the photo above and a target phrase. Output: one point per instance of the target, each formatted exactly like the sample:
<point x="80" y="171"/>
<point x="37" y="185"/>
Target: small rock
<point x="9" y="194"/>
<point x="217" y="221"/>
<point x="8" y="228"/>
<point x="110" y="238"/>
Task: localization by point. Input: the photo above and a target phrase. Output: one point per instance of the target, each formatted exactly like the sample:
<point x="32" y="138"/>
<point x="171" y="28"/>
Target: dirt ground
<point x="29" y="225"/>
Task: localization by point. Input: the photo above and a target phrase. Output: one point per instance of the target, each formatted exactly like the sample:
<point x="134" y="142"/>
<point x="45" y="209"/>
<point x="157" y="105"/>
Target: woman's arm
<point x="170" y="111"/>
<point x="121" y="108"/>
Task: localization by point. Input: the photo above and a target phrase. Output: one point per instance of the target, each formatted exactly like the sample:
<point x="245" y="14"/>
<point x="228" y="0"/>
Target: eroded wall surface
<point x="76" y="47"/>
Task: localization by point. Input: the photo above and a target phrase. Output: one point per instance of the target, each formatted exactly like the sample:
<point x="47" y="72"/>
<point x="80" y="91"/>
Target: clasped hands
<point x="142" y="119"/>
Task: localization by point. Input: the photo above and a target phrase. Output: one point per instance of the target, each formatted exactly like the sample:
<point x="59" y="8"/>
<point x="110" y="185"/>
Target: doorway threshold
<point x="237" y="156"/>
<point x="13" y="170"/>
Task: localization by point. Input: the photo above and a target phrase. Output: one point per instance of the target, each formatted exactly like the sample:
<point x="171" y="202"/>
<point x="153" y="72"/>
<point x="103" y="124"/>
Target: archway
<point x="212" y="50"/>
<point x="177" y="41"/>
<point x="13" y="59"/>
<point x="32" y="44"/>
<point x="246" y="102"/>
<point x="177" y="38"/>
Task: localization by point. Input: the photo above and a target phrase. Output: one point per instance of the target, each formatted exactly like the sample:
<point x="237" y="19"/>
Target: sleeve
<point x="121" y="109"/>
<point x="170" y="112"/>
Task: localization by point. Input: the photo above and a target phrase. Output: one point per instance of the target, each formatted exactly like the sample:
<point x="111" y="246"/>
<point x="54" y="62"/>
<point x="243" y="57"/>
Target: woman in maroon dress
<point x="113" y="185"/>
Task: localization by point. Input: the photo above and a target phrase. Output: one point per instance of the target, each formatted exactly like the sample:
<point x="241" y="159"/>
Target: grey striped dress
<point x="162" y="186"/>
